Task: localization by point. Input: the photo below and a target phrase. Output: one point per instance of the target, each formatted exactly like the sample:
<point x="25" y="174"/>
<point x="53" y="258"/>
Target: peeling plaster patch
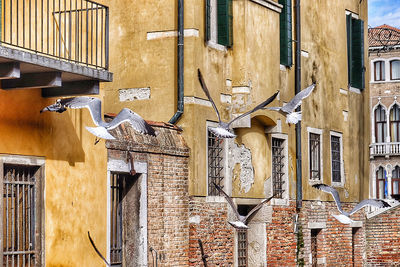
<point x="343" y="91"/>
<point x="197" y="101"/>
<point x="304" y="53"/>
<point x="242" y="156"/>
<point x="244" y="122"/>
<point x="194" y="219"/>
<point x="241" y="90"/>
<point x="134" y="94"/>
<point x="166" y="34"/>
<point x="345" y="115"/>
<point x="387" y="92"/>
<point x="225" y="98"/>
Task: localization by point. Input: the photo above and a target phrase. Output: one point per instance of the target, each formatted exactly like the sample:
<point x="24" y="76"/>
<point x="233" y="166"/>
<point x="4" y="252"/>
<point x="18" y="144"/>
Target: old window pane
<point x="277" y="167"/>
<point x="395" y="180"/>
<point x="315" y="153"/>
<point x="335" y="147"/>
<point x="395" y="124"/>
<point x="380" y="183"/>
<point x="380" y="124"/>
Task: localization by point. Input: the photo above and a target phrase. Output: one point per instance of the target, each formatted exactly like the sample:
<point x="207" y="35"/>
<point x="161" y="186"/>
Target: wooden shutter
<point x="208" y="21"/>
<point x="286" y="33"/>
<point x="224" y="20"/>
<point x="357" y="79"/>
<point x="349" y="46"/>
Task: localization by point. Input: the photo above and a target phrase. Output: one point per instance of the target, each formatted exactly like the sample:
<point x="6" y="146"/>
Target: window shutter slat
<point x="208" y="20"/>
<point x="285" y="19"/>
<point x="349" y="47"/>
<point x="357" y="78"/>
<point x="224" y="10"/>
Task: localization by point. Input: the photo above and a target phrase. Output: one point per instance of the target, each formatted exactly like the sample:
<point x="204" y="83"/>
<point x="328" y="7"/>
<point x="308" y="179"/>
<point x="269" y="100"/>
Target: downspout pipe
<point x="299" y="182"/>
<point x="179" y="111"/>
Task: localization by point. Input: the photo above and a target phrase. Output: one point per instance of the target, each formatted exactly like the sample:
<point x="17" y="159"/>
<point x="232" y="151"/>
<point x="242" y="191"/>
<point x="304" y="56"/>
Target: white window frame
<point x="387" y="70"/>
<point x="213" y="42"/>
<point x="342" y="177"/>
<point x="285" y="196"/>
<point x="226" y="181"/>
<point x="320" y="133"/>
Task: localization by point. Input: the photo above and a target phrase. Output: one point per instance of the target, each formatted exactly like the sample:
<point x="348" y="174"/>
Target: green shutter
<point x="224" y="20"/>
<point x="208" y="20"/>
<point x="349" y="47"/>
<point x="357" y="54"/>
<point x="285" y="19"/>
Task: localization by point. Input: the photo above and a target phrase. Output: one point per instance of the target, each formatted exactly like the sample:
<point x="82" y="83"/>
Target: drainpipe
<point x="299" y="185"/>
<point x="179" y="110"/>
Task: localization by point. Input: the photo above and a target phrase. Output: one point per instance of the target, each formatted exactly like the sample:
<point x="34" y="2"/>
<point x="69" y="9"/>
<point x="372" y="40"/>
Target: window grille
<point x="335" y="150"/>
<point x="215" y="163"/>
<point x="242" y="247"/>
<point x="315" y="154"/>
<point x="117" y="182"/>
<point x="277" y="167"/>
<point x="20" y="216"/>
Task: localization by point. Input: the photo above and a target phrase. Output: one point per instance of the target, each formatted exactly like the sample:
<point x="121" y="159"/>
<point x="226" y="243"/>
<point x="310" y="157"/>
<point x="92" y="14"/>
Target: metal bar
<point x="30" y="23"/>
<point x="76" y="30"/>
<point x="81" y="35"/>
<point x="48" y="25"/>
<point x="17" y="31"/>
<point x="17" y="232"/>
<point x="12" y="223"/>
<point x="23" y="23"/>
<point x="7" y="223"/>
<point x="65" y="30"/>
<point x="87" y="32"/>
<point x="36" y="25"/>
<point x="21" y="182"/>
<point x="41" y="28"/>
<point x="97" y="21"/>
<point x="91" y="35"/>
<point x="19" y="252"/>
<point x="101" y="39"/>
<point x="70" y="34"/>
<point x="54" y="29"/>
<point x="23" y="217"/>
<point x="3" y="38"/>
<point x="106" y="40"/>
<point x="11" y="21"/>
<point x="59" y="29"/>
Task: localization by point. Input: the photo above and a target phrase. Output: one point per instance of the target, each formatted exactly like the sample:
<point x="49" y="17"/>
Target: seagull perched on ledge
<point x="242" y="221"/>
<point x="288" y="110"/>
<point x="344" y="217"/>
<point x="223" y="130"/>
<point x="94" y="106"/>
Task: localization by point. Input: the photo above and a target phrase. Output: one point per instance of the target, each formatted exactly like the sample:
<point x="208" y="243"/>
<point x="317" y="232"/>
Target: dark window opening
<point x="396" y="180"/>
<point x="277" y="167"/>
<point x="355" y="52"/>
<point x="395" y="123"/>
<point x="215" y="163"/>
<point x="380" y="124"/>
<point x="21" y="215"/>
<point x="335" y="150"/>
<point x="315" y="154"/>
<point x="355" y="245"/>
<point x="314" y="246"/>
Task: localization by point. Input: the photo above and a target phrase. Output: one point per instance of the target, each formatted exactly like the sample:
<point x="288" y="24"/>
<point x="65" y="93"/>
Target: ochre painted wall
<point x="75" y="173"/>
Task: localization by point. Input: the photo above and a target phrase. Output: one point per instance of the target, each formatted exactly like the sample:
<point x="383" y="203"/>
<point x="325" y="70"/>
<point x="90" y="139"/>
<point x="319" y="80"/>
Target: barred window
<point x="215" y="148"/>
<point x="336" y="167"/>
<point x="22" y="198"/>
<point x="242" y="247"/>
<point x="315" y="157"/>
<point x="117" y="181"/>
<point x="277" y="167"/>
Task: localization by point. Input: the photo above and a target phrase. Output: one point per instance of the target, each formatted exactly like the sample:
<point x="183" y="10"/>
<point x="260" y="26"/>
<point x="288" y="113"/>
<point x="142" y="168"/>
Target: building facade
<point x="384" y="55"/>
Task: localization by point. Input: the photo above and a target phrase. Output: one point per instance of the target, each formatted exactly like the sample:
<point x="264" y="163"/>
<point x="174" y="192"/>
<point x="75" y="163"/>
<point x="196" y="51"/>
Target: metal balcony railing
<point x="71" y="30"/>
<point x="385" y="149"/>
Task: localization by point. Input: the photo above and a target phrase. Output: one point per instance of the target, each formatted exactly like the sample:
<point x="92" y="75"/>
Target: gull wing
<point x="205" y="89"/>
<point x="255" y="209"/>
<point x="91" y="103"/>
<point x="137" y="122"/>
<point x="259" y="106"/>
<point x="328" y="189"/>
<point x="228" y="199"/>
<point x="297" y="99"/>
<point x="369" y="202"/>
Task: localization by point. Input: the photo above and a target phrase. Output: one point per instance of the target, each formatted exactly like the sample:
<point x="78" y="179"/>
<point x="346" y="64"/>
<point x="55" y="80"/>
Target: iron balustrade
<point x="75" y="30"/>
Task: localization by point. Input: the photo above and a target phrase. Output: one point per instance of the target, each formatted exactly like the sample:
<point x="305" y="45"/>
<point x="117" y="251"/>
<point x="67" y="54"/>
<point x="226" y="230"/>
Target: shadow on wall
<point x="25" y="131"/>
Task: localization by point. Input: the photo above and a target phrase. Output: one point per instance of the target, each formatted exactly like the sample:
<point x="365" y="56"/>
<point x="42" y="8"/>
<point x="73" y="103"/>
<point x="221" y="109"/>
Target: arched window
<point x="395" y="124"/>
<point x="380" y="183"/>
<point x="395" y="70"/>
<point x="380" y="124"/>
<point x="379" y="70"/>
<point x="396" y="180"/>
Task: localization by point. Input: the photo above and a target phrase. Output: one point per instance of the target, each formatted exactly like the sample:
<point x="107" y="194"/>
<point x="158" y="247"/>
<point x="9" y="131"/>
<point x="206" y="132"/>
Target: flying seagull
<point x="242" y="221"/>
<point x="94" y="106"/>
<point x="344" y="217"/>
<point x="223" y="130"/>
<point x="288" y="109"/>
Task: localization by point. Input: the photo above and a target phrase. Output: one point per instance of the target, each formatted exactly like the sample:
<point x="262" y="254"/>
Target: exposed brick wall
<point x="281" y="240"/>
<point x="167" y="188"/>
<point x="383" y="239"/>
<point x="209" y="223"/>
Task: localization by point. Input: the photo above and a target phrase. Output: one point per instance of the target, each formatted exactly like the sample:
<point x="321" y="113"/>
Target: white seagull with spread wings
<point x="242" y="221"/>
<point x="344" y="217"/>
<point x="288" y="110"/>
<point x="223" y="130"/>
<point x="94" y="106"/>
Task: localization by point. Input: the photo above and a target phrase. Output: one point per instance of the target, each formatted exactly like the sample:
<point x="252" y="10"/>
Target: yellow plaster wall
<point x="75" y="173"/>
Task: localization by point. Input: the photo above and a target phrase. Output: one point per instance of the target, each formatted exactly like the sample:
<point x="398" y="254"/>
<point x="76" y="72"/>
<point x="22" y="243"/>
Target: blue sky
<point x="384" y="12"/>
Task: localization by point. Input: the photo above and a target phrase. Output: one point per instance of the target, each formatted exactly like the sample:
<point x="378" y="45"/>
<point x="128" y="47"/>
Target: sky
<point x="384" y="12"/>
